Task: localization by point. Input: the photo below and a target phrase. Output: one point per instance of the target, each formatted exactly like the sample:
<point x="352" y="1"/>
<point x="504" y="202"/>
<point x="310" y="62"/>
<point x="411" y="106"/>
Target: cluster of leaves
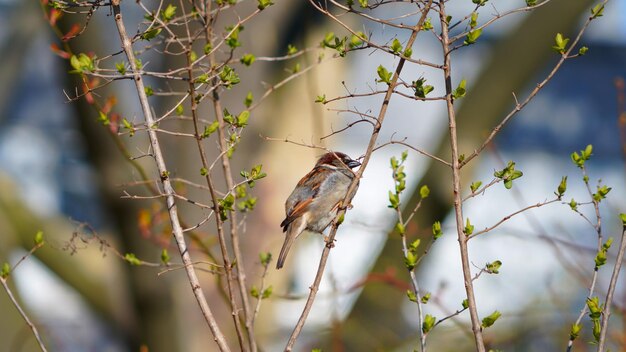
<point x="508" y="174"/>
<point x="420" y="88"/>
<point x="343" y="45"/>
<point x="399" y="179"/>
<point x="595" y="314"/>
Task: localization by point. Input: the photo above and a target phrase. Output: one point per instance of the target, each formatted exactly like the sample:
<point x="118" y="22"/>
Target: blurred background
<point x="60" y="169"/>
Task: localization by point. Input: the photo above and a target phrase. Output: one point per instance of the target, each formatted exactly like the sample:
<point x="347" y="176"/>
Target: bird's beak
<point x="353" y="163"/>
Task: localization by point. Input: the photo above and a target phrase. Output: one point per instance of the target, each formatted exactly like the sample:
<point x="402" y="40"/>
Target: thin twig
<point x="456" y="184"/>
<point x="32" y="326"/>
<point x="609" y="294"/>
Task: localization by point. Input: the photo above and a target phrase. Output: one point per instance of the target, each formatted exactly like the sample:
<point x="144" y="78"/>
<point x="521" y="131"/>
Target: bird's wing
<point x="305" y="192"/>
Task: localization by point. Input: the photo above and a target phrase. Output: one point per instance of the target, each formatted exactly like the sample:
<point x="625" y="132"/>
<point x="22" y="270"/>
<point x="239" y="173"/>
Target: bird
<point x="315" y="200"/>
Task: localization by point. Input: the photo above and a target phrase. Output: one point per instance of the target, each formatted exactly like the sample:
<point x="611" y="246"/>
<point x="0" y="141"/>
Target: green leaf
<point x="583" y="50"/>
<point x="575" y="331"/>
<point x="207" y="48"/>
<point x="248" y="100"/>
<point x="394" y="200"/>
<point x="560" y="43"/>
<point x="229" y="77"/>
<point x="247" y="59"/>
<point x="208" y="130"/>
<point x="225" y="205"/>
<point x="266" y="258"/>
<point x="428" y="323"/>
<point x="240" y="191"/>
<point x="562" y="187"/>
<point x="242" y="119"/>
<point x="475" y="186"/>
<point x="595" y="309"/>
<point x="6" y="270"/>
<point x="204" y="171"/>
<point x="601" y="193"/>
<point x="149" y="91"/>
<point x="493" y="267"/>
<point x="597" y="11"/>
<point x="103" y="118"/>
<point x="357" y="40"/>
<point x="151" y="33"/>
<point x="132" y="259"/>
<point x="437" y="230"/>
<point x="396" y="47"/>
<point x="254" y="291"/>
<point x="491" y="319"/>
<point x="321" y="99"/>
<point x="601" y="256"/>
<point x="400" y="228"/>
<point x="573" y="204"/>
<point x="263" y="4"/>
<point x="121" y="67"/>
<point x="420" y="88"/>
<point x="459" y="92"/>
<point x="508" y="174"/>
<point x="329" y="40"/>
<point x="38" y="238"/>
<point x="233" y="38"/>
<point x="267" y="292"/>
<point x="472" y="36"/>
<point x="424" y="191"/>
<point x="596" y="329"/>
<point x="480" y="2"/>
<point x="410" y="260"/>
<point x="383" y="74"/>
<point x="394" y="163"/>
<point x="425" y="298"/>
<point x="427" y="25"/>
<point x="531" y="2"/>
<point x="622" y="217"/>
<point x="465" y="304"/>
<point x="411" y="295"/>
<point x="473" y="19"/>
<point x="82" y="63"/>
<point x="165" y="257"/>
<point x="363" y="3"/>
<point x="180" y="109"/>
<point x="168" y="13"/>
<point x="414" y="245"/>
<point x="291" y="49"/>
<point x="469" y="228"/>
<point x="128" y="126"/>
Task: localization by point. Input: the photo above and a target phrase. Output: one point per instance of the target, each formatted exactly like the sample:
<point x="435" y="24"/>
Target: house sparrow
<point x="314" y="202"/>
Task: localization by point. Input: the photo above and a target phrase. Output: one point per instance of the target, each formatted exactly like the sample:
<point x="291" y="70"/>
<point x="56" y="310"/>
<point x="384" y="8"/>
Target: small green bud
<point x="491" y="319"/>
<point x="575" y="331"/>
<point x="428" y="323"/>
<point x="266" y="258"/>
<point x="165" y="256"/>
<point x="6" y="270"/>
<point x="39" y="238"/>
<point x="424" y="191"/>
<point x="132" y="259"/>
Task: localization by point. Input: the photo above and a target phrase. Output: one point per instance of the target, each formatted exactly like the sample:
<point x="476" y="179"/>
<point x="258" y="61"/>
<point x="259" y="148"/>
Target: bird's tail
<point x="285" y="250"/>
<point x="294" y="229"/>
